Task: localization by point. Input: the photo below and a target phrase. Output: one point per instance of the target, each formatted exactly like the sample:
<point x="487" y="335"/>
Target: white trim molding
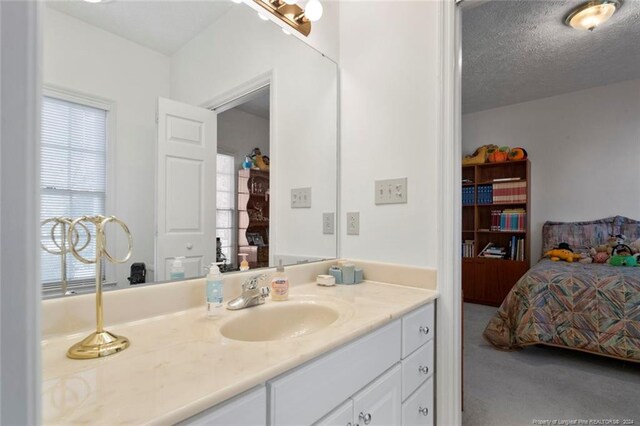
<point x="449" y="320"/>
<point x="20" y="293"/>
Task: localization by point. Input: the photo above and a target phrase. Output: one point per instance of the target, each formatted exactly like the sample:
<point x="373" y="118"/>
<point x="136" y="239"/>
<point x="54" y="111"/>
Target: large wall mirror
<point x="211" y="133"/>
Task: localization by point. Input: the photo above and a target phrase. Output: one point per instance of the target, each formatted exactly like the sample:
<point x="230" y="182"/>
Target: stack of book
<point x="510" y="192"/>
<point x="468" y="195"/>
<point x="516" y="248"/>
<point x="485" y="194"/>
<point x="468" y="248"/>
<point x="513" y="220"/>
<point x="494" y="252"/>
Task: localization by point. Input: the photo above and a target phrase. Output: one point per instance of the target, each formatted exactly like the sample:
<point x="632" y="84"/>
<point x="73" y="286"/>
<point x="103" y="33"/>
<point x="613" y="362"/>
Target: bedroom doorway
<point x="542" y="103"/>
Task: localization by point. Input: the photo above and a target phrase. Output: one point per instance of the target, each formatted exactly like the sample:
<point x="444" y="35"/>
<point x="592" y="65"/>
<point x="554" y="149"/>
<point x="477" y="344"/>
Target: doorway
<point x="243" y="181"/>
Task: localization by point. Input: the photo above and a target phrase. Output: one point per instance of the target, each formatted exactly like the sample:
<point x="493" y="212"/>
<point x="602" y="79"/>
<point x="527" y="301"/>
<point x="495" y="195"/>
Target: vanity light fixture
<point x="292" y="14"/>
<point x="592" y="14"/>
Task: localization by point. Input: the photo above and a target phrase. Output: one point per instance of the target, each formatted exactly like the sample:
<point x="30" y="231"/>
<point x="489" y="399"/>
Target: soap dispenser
<point x="244" y="265"/>
<point x="279" y="284"/>
<point x="214" y="290"/>
<point x="177" y="269"/>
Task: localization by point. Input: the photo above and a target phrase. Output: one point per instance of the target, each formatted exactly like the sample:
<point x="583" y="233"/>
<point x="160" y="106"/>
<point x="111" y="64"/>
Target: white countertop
<point x="179" y="364"/>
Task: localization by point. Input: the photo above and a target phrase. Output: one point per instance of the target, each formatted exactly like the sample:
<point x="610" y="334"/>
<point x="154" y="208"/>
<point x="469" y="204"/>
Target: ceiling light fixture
<point x="592" y="14"/>
<point x="292" y="14"/>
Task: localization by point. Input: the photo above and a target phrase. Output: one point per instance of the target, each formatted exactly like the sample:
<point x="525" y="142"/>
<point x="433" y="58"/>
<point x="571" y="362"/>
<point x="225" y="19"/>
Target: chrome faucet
<point x="252" y="295"/>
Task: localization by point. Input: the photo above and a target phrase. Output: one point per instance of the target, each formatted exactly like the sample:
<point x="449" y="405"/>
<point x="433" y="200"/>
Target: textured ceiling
<point x="520" y="50"/>
<point x="164" y="26"/>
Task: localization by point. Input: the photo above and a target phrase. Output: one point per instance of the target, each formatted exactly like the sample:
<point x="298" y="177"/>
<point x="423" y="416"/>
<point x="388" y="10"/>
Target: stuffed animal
<point x="599" y="254"/>
<point x="618" y="260"/>
<point x="635" y="246"/>
<point x="562" y="254"/>
<point x="613" y="241"/>
<point x="600" y="257"/>
<point x="479" y="156"/>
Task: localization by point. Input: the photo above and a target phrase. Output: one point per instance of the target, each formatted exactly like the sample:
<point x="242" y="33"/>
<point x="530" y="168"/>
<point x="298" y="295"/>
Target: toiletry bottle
<point x="177" y="269"/>
<point x="279" y="284"/>
<point x="214" y="291"/>
<point x="244" y="265"/>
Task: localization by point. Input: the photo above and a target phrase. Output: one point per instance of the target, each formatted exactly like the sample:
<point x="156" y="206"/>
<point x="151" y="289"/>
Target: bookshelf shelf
<point x="488" y="280"/>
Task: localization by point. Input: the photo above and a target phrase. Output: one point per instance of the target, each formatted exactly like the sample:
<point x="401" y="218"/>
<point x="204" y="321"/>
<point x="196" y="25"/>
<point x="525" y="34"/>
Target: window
<point x="72" y="177"/>
<point x="225" y="182"/>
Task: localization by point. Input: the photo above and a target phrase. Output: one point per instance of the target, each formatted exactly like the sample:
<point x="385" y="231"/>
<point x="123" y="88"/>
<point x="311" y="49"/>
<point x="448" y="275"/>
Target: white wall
<point x="239" y="132"/>
<point x="389" y="127"/>
<point x="303" y="112"/>
<point x="85" y="59"/>
<point x="584" y="149"/>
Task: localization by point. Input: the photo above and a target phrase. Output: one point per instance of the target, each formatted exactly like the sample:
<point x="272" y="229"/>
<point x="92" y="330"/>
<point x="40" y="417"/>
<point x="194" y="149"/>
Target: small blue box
<point x="337" y="274"/>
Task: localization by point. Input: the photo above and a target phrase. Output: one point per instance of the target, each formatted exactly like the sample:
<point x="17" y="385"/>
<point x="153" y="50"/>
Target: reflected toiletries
<point x="214" y="291"/>
<point x="177" y="269"/>
<point x="337" y="273"/>
<point x="279" y="284"/>
<point x="348" y="273"/>
<point x="244" y="265"/>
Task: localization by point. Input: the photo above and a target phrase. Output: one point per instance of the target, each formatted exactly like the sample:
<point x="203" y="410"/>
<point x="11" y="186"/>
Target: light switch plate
<point x="301" y="198"/>
<point x="328" y="223"/>
<point x="353" y="223"/>
<point x="391" y="191"/>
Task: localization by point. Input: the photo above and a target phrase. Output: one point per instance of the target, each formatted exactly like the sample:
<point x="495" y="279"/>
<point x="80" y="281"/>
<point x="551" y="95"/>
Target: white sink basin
<point x="279" y="321"/>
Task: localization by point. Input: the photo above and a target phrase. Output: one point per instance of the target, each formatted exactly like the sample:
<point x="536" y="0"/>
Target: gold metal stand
<point x="63" y="245"/>
<point x="101" y="343"/>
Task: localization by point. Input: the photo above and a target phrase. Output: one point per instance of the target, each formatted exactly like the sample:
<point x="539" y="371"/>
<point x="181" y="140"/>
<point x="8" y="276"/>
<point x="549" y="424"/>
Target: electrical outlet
<point x="391" y="191"/>
<point x="353" y="223"/>
<point x="328" y="221"/>
<point x="301" y="198"/>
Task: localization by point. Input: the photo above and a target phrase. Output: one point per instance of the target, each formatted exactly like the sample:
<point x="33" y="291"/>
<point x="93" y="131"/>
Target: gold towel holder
<point x="100" y="343"/>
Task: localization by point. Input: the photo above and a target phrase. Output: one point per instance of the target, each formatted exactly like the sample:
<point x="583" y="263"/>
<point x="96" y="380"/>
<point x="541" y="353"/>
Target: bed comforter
<point x="593" y="308"/>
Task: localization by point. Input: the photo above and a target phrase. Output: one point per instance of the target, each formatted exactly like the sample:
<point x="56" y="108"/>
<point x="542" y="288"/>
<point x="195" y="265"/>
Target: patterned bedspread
<point x="594" y="308"/>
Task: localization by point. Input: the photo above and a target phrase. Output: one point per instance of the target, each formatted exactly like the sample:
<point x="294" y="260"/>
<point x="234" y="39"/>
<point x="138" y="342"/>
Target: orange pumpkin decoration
<point x="491" y="155"/>
<point x="501" y="156"/>
<point x="518" y="154"/>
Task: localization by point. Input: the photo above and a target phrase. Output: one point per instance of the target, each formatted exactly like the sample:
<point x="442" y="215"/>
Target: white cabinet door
<point x="341" y="416"/>
<point x="186" y="188"/>
<point x="379" y="404"/>
<point x="248" y="409"/>
<point x="418" y="408"/>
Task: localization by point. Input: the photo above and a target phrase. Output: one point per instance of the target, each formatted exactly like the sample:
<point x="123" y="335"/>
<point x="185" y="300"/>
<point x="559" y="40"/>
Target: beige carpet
<point x="542" y="383"/>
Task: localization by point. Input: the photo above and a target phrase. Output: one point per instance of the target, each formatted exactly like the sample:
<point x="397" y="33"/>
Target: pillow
<point x="581" y="236"/>
<point x="628" y="227"/>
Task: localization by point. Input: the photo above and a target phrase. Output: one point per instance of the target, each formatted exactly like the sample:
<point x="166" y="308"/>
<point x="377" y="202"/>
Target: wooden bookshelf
<point x="488" y="280"/>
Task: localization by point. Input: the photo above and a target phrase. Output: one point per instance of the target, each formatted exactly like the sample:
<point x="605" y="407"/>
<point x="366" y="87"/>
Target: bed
<point x="588" y="307"/>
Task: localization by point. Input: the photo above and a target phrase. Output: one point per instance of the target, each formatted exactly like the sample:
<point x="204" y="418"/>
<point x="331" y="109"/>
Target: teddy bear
<point x="562" y="254"/>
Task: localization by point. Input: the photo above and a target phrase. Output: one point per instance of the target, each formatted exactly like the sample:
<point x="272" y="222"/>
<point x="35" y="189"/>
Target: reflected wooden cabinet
<point x="253" y="216"/>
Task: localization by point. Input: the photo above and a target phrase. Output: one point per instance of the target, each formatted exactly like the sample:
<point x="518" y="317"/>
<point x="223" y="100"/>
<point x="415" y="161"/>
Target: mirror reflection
<point x="211" y="133"/>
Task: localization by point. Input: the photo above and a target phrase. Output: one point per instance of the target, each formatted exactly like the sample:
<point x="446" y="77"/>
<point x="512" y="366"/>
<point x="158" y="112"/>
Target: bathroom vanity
<point x="358" y="354"/>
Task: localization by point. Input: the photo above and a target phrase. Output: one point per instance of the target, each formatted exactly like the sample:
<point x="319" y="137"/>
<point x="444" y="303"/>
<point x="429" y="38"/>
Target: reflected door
<point x="186" y="198"/>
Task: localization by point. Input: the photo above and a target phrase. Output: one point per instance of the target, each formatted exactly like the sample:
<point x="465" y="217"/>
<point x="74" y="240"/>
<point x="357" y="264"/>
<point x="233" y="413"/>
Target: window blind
<point x="225" y="183"/>
<point x="72" y="177"/>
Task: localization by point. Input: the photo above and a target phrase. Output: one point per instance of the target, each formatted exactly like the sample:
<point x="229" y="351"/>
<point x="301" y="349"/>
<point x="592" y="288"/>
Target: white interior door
<point x="186" y="190"/>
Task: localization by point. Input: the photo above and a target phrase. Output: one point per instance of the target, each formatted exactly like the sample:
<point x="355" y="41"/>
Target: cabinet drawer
<point x="417" y="328"/>
<point x="416" y="368"/>
<point x="418" y="408"/>
<point x="249" y="408"/>
<point x="305" y="395"/>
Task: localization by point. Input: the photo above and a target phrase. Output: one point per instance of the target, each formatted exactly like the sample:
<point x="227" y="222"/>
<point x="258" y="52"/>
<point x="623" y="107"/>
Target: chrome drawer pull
<point x="424" y="330"/>
<point x="423" y="369"/>
<point x="365" y="418"/>
<point x="424" y="411"/>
